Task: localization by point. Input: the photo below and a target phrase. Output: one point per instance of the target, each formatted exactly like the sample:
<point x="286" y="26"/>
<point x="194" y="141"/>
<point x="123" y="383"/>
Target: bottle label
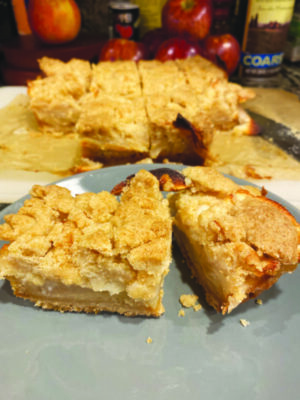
<point x="123" y="20"/>
<point x="261" y="60"/>
<point x="266" y="28"/>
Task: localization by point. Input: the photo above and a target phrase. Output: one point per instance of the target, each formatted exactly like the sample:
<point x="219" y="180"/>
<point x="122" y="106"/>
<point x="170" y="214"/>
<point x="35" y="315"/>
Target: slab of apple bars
<point x="124" y="111"/>
<point x="91" y="252"/>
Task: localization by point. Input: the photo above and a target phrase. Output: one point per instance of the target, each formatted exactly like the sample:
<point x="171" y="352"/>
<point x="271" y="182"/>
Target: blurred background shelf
<point x="20" y="55"/>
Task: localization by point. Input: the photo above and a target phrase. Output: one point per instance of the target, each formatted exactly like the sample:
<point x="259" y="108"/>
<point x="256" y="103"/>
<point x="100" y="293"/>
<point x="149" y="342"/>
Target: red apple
<point x="153" y="39"/>
<point x="122" y="49"/>
<point x="223" y="50"/>
<point x="175" y="48"/>
<point x="192" y="17"/>
<point x="54" y="21"/>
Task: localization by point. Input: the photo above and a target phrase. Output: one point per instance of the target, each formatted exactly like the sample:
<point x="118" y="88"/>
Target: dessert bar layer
<point x="236" y="241"/>
<point x="91" y="252"/>
<point x="76" y="97"/>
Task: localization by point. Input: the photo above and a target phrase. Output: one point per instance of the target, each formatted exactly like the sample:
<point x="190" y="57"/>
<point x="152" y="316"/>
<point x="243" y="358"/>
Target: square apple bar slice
<point x="236" y="241"/>
<point x="113" y="129"/>
<point x="218" y="97"/>
<point x="91" y="252"/>
<point x="172" y="134"/>
<point x="54" y="98"/>
<point x="179" y="131"/>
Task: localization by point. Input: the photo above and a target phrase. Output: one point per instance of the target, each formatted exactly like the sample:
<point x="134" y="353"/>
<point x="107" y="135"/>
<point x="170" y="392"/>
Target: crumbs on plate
<point x="181" y="313"/>
<point x="197" y="307"/>
<point x="190" y="300"/>
<point x="244" y="322"/>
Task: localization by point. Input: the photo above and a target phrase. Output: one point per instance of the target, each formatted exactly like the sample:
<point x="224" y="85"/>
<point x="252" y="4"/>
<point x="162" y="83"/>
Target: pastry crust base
<point x="59" y="297"/>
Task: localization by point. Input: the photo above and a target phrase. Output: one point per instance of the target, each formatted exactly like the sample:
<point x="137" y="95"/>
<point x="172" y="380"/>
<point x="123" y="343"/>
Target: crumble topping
<point x="188" y="300"/>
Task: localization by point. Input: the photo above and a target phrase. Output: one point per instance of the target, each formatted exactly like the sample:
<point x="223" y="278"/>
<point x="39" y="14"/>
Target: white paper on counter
<point x="16" y="184"/>
<point x="8" y="93"/>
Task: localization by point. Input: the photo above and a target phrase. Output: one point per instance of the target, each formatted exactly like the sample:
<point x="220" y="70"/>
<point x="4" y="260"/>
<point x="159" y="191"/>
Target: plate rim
<point x="107" y="170"/>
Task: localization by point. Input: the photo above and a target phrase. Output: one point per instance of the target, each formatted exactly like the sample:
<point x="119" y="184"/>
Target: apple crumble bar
<point x="90" y="252"/>
<point x="167" y="95"/>
<point x="237" y="242"/>
<point x="54" y="98"/>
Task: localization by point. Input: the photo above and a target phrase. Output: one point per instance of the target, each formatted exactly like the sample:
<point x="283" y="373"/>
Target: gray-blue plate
<point x="203" y="355"/>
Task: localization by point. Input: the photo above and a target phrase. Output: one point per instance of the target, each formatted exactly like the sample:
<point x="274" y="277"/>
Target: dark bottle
<point x="124" y="20"/>
<point x="262" y="27"/>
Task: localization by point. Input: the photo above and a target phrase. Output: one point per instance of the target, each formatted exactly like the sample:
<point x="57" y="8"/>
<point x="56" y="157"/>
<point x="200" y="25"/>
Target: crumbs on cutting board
<point x="149" y="340"/>
<point x="259" y="302"/>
